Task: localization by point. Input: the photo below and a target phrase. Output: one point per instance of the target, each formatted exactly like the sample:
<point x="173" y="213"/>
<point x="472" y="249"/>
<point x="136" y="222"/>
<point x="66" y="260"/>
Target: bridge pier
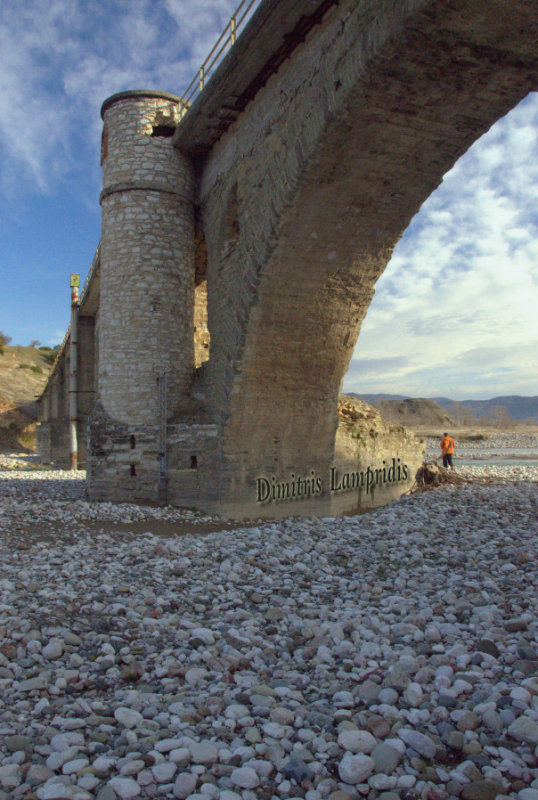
<point x="146" y="310"/>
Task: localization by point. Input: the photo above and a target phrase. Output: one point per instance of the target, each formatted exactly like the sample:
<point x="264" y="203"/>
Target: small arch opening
<point x="202" y="337"/>
<point x="133" y="469"/>
<point x="165" y="131"/>
<point x="194" y="462"/>
<point x="132" y="442"/>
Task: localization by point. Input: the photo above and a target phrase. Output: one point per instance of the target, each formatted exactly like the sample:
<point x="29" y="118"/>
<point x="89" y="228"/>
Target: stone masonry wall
<point x="321" y="174"/>
<point x="122" y="461"/>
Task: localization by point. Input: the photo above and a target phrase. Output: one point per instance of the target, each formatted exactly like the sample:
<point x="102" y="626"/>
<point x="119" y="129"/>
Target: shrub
<point x="4" y="341"/>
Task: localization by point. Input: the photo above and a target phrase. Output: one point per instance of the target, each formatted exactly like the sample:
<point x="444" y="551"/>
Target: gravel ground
<point x="391" y="655"/>
<point x="496" y="445"/>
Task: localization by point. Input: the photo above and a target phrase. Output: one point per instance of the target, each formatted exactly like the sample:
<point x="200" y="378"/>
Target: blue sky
<point x="455" y="313"/>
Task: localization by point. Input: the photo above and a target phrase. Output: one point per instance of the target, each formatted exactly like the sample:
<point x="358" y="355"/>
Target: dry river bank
<point x="146" y="652"/>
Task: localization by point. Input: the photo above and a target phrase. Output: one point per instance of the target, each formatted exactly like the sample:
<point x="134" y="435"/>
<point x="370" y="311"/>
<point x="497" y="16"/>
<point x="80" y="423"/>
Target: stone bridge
<point x="241" y="245"/>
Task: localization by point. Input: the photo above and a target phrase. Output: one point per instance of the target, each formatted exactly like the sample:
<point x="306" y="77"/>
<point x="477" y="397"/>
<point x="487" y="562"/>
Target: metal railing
<point x="225" y="42"/>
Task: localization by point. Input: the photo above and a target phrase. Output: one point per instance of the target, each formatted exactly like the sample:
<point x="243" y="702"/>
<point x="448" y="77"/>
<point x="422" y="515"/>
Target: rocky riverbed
<point x="490" y="445"/>
<point x="145" y="653"/>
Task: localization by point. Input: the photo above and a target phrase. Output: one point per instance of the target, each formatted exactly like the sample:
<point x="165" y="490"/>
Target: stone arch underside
<point x="453" y="70"/>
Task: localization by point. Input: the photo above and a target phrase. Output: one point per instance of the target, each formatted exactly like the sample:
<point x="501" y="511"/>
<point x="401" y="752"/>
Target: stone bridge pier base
<point x="145" y="323"/>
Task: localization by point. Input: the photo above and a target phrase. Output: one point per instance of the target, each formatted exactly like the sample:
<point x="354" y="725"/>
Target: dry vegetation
<point x="23" y="374"/>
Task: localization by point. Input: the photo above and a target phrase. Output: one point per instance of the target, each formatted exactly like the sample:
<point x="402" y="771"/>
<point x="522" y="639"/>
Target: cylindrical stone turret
<point x="147" y="258"/>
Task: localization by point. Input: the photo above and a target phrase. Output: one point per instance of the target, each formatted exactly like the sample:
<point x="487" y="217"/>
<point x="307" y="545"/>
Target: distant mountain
<point x="515" y="406"/>
<point x="518" y="408"/>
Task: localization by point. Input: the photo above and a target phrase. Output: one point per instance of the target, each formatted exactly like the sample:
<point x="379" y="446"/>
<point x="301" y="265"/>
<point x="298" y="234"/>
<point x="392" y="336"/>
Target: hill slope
<point x="415" y="411"/>
<point x="23" y="374"/>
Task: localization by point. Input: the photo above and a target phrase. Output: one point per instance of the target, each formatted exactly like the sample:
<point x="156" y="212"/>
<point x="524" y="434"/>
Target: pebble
<point x="125" y="787"/>
<point x="355" y="769"/>
<point x="524" y="729"/>
<point x="284" y="659"/>
<point x="185" y="785"/>
<point x="245" y="777"/>
<point x="357" y="741"/>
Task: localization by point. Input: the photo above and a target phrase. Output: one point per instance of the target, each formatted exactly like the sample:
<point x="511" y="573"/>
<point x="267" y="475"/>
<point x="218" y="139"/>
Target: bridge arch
<point x="414" y="87"/>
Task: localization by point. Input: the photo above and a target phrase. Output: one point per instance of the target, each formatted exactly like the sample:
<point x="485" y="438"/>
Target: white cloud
<point x="62" y="58"/>
<point x="464" y="278"/>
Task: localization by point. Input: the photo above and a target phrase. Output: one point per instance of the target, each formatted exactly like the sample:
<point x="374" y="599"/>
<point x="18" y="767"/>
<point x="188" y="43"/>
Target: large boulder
<point x="375" y="461"/>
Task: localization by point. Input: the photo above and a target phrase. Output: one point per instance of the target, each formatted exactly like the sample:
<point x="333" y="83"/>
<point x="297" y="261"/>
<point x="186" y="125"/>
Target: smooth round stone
<point x="381" y="781"/>
<point x="59" y="791"/>
<point x="528" y="794"/>
<point x="489" y="647"/>
<point x="236" y="711"/>
<point x="164" y="772"/>
<point x="283" y="716"/>
<point x="413" y="695"/>
<point x="132" y="767"/>
<point x="74" y="766"/>
<point x="38" y="774"/>
<point x="128" y="717"/>
<point x="166" y="745"/>
<point x="88" y="782"/>
<point x="386" y="758"/>
<point x="418" y="741"/>
<point x="481" y="790"/>
<point x="454" y="739"/>
<point x="195" y="676"/>
<point x="185" y="785"/>
<point x="344" y="699"/>
<point x="180" y="756"/>
<point x="125" y="787"/>
<point x="53" y="649"/>
<point x="468" y="721"/>
<point x="145" y="778"/>
<point x="252" y="735"/>
<point x="245" y="777"/>
<point x="103" y="765"/>
<point x="203" y="752"/>
<point x="355" y="769"/>
<point x="274" y="730"/>
<point x="369" y="692"/>
<point x="357" y="741"/>
<point x="62" y="742"/>
<point x="492" y="721"/>
<point x="406" y="781"/>
<point x="10" y="776"/>
<point x="294" y="768"/>
<point x="17" y="742"/>
<point x="388" y="696"/>
<point x="524" y="729"/>
<point x="204" y="635"/>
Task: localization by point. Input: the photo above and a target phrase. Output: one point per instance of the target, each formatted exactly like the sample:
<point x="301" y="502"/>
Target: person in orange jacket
<point x="447" y="446"/>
